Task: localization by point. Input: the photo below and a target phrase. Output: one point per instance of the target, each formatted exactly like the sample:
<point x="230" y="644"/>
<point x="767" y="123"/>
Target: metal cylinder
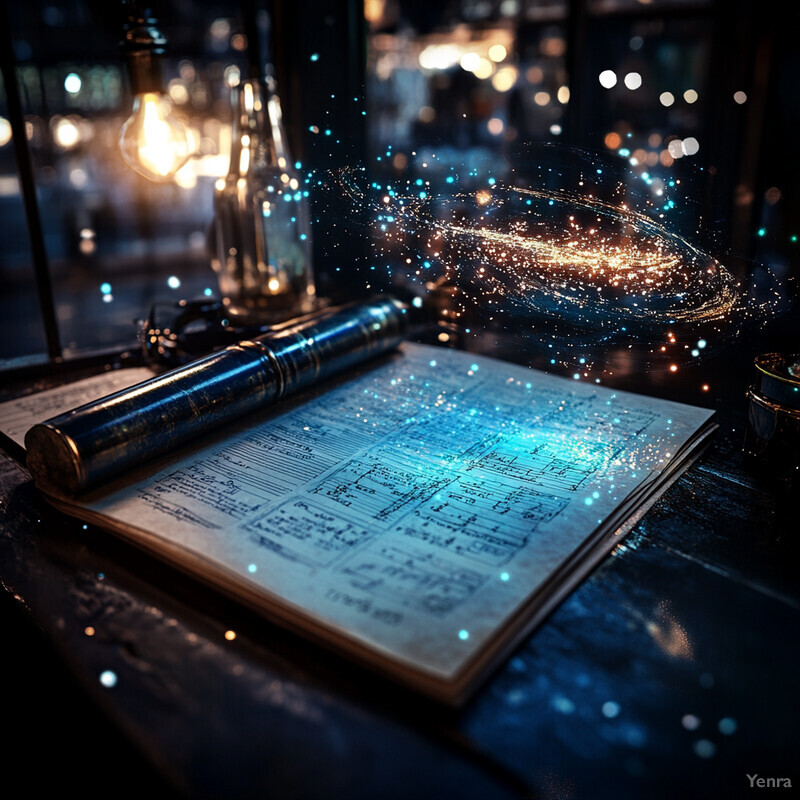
<point x="772" y="435"/>
<point x="81" y="448"/>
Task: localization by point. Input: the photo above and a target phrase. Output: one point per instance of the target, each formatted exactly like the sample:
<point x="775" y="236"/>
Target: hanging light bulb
<point x="153" y="141"/>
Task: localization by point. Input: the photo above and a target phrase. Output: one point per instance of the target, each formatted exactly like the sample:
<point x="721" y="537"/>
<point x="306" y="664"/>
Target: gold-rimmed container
<point x="772" y="438"/>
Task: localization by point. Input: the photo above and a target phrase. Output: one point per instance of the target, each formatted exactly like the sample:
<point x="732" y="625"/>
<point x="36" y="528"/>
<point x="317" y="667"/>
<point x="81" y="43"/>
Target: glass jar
<point x="261" y="214"/>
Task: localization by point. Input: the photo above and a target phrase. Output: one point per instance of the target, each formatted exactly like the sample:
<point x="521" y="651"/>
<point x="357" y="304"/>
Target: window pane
<point x="116" y="242"/>
<point x="21" y="328"/>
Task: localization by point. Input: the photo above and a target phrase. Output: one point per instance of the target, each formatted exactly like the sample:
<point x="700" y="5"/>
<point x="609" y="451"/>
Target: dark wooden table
<point x="671" y="672"/>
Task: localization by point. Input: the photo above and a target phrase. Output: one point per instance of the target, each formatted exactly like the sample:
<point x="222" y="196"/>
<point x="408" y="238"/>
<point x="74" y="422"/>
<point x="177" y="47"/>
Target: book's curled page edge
<point x="578" y="567"/>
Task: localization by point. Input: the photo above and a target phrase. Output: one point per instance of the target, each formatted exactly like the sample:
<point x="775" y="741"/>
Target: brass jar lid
<point x="778" y="378"/>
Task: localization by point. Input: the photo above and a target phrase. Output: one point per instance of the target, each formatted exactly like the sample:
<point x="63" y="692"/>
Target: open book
<point x="420" y="517"/>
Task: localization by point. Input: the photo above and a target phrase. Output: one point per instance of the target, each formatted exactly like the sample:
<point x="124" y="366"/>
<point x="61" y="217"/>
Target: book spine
<point x="78" y="450"/>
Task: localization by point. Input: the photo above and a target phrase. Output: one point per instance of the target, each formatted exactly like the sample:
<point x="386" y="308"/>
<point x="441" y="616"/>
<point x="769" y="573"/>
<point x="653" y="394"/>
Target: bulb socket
<point x="143" y="47"/>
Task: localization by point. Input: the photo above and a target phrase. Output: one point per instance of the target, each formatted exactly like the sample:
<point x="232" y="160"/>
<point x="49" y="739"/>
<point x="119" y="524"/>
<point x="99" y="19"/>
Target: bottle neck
<point x="258" y="135"/>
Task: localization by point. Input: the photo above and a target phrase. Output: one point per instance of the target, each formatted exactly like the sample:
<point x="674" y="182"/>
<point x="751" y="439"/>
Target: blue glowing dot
<point x="563" y="704"/>
<point x="315" y="56"/>
<point x="73" y="83"/>
<point x="251" y="567"/>
<point x="105" y="288"/>
<point x="576" y="376"/>
<point x="727" y="726"/>
<point x="702" y="343"/>
<point x="504" y="576"/>
<point x="492" y="181"/>
<point x="474" y="367"/>
<point x="762" y="231"/>
<point x="463" y="635"/>
<point x="704" y="748"/>
<point x="433" y="363"/>
<point x="610" y="709"/>
<point x="207" y="292"/>
<point x="108" y="678"/>
<point x="588" y="501"/>
<point x="173" y="281"/>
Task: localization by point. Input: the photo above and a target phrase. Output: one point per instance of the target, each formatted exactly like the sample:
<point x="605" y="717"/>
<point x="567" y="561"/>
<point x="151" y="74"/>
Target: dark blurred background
<point x="698" y="91"/>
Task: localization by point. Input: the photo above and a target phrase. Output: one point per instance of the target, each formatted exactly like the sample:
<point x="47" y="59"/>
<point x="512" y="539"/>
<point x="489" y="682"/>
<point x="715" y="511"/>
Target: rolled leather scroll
<point x="79" y="449"/>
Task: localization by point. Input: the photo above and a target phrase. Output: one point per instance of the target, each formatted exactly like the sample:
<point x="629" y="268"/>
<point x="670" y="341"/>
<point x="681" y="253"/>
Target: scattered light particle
<point x="73" y="83"/>
<point x="230" y="635"/>
<point x="173" y="282"/>
<point x="463" y="635"/>
<point x="608" y="78"/>
<point x="504" y="576"/>
<point x="727" y="726"/>
<point x="690" y="722"/>
<point x="705" y="748"/>
<point x="108" y="678"/>
<point x="633" y="80"/>
<point x="89" y="631"/>
<point x="610" y="709"/>
<point x="563" y="704"/>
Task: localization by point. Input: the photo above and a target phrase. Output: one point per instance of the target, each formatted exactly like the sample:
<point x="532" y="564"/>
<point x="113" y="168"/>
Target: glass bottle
<point x="261" y="215"/>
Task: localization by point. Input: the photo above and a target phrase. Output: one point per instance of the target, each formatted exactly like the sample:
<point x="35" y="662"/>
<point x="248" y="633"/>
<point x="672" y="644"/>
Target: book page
<point x="17" y="416"/>
<point x="412" y="509"/>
